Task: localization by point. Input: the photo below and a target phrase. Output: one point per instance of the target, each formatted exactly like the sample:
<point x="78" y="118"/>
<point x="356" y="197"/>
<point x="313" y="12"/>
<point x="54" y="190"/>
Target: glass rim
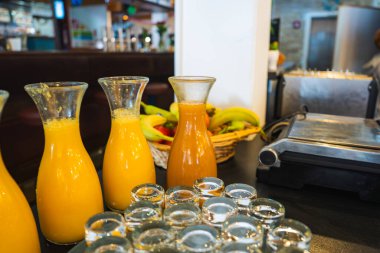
<point x="219" y="200"/>
<point x="294" y="224"/>
<point x="208" y="179"/>
<point x="57" y="85"/>
<point x="235" y="246"/>
<point x="182" y="206"/>
<point x="151" y="225"/>
<point x="267" y="201"/>
<point x="4" y="93"/>
<point x="200" y="227"/>
<point x="240" y="185"/>
<point x="180" y="188"/>
<point x="123" y="78"/>
<point x="195" y="79"/>
<point x="110" y="240"/>
<point x="148" y="185"/>
<point x="108" y="215"/>
<point x="141" y="203"/>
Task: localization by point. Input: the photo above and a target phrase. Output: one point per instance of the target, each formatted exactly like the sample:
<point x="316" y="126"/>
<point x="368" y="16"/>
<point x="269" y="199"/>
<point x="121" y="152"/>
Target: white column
<point x="228" y="40"/>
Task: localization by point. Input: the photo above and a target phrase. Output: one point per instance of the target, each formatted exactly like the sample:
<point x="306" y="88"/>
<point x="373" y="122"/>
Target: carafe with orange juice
<point x="18" y="231"/>
<point x="192" y="153"/>
<point x="68" y="188"/>
<point x="127" y="161"/>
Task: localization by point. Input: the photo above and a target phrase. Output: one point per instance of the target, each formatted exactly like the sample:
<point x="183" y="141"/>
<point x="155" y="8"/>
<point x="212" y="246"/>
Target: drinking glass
<point x="181" y="194"/>
<point x="182" y="215"/>
<point x="237" y="247"/>
<point x="151" y="192"/>
<point x="152" y="235"/>
<point x="289" y="233"/>
<point x="110" y="244"/>
<point x="198" y="238"/>
<point x="104" y="224"/>
<point x="208" y="187"/>
<point x="141" y="211"/>
<point x="216" y="210"/>
<point x="242" y="194"/>
<point x="242" y="229"/>
<point x="269" y="212"/>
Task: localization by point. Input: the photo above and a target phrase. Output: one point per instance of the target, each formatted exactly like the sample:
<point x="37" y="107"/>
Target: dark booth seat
<point x="21" y="132"/>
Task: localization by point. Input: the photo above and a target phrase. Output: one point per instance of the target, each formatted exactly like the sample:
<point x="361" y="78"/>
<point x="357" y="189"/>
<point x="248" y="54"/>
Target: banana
<point x="235" y="125"/>
<point x="148" y="122"/>
<point x="152" y="110"/>
<point x="174" y="109"/>
<point x="234" y="113"/>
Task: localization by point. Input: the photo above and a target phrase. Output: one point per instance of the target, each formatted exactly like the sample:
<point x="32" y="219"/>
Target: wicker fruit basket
<point x="224" y="145"/>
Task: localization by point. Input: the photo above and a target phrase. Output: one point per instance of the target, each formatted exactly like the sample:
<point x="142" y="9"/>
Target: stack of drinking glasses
<point x="207" y="217"/>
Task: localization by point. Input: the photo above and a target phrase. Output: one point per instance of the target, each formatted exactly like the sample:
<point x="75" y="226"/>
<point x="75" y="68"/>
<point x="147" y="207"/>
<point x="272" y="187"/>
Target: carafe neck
<point x="57" y="101"/>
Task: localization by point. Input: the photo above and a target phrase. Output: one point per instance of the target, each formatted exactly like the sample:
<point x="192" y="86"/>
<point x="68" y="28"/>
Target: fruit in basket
<point x="154" y="110"/>
<point x="160" y="125"/>
<point x="148" y="124"/>
<point x="234" y="114"/>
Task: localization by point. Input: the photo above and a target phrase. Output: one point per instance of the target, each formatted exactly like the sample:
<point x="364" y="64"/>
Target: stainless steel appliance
<point x="326" y="150"/>
<point x="328" y="92"/>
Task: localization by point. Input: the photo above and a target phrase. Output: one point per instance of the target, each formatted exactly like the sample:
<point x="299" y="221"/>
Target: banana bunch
<point x="154" y="110"/>
<point x="148" y="122"/>
<point x="235" y="118"/>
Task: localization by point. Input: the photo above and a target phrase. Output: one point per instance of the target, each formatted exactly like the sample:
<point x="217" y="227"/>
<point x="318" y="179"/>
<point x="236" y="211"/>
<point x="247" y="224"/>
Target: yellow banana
<point x="235" y="125"/>
<point x="234" y="114"/>
<point x="151" y="110"/>
<point x="148" y="122"/>
<point x="174" y="109"/>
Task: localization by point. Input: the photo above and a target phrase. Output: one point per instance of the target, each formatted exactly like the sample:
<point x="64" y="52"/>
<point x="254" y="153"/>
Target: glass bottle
<point x="127" y="161"/>
<point x="68" y="189"/>
<point x="192" y="153"/>
<point x="18" y="231"/>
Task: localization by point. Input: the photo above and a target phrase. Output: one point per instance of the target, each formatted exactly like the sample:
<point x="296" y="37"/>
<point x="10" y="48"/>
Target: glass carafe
<point x="192" y="153"/>
<point x="68" y="187"/>
<point x="127" y="161"/>
<point x="18" y="231"/>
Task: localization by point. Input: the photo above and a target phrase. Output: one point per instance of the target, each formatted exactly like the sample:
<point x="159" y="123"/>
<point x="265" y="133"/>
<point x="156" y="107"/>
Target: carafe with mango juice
<point x="68" y="188"/>
<point x="18" y="231"/>
<point x="192" y="153"/>
<point x="127" y="161"/>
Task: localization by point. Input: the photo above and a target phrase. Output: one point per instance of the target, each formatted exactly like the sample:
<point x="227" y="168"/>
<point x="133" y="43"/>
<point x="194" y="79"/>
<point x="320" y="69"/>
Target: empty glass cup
<point x="182" y="215"/>
<point x="242" y="194"/>
<point x="242" y="229"/>
<point x="139" y="212"/>
<point x="150" y="192"/>
<point x="198" y="238"/>
<point x="181" y="194"/>
<point x="110" y="244"/>
<point x="216" y="210"/>
<point x="289" y="233"/>
<point x="269" y="212"/>
<point x="151" y="236"/>
<point x="237" y="247"/>
<point x="208" y="187"/>
<point x="104" y="224"/>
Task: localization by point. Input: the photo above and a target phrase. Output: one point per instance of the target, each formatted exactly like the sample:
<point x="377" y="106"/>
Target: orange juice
<point x="68" y="188"/>
<point x="192" y="153"/>
<point x="127" y="160"/>
<point x="18" y="231"/>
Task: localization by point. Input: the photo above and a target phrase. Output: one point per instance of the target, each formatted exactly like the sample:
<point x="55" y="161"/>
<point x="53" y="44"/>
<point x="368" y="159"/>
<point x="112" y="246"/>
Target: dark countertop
<point x="340" y="221"/>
